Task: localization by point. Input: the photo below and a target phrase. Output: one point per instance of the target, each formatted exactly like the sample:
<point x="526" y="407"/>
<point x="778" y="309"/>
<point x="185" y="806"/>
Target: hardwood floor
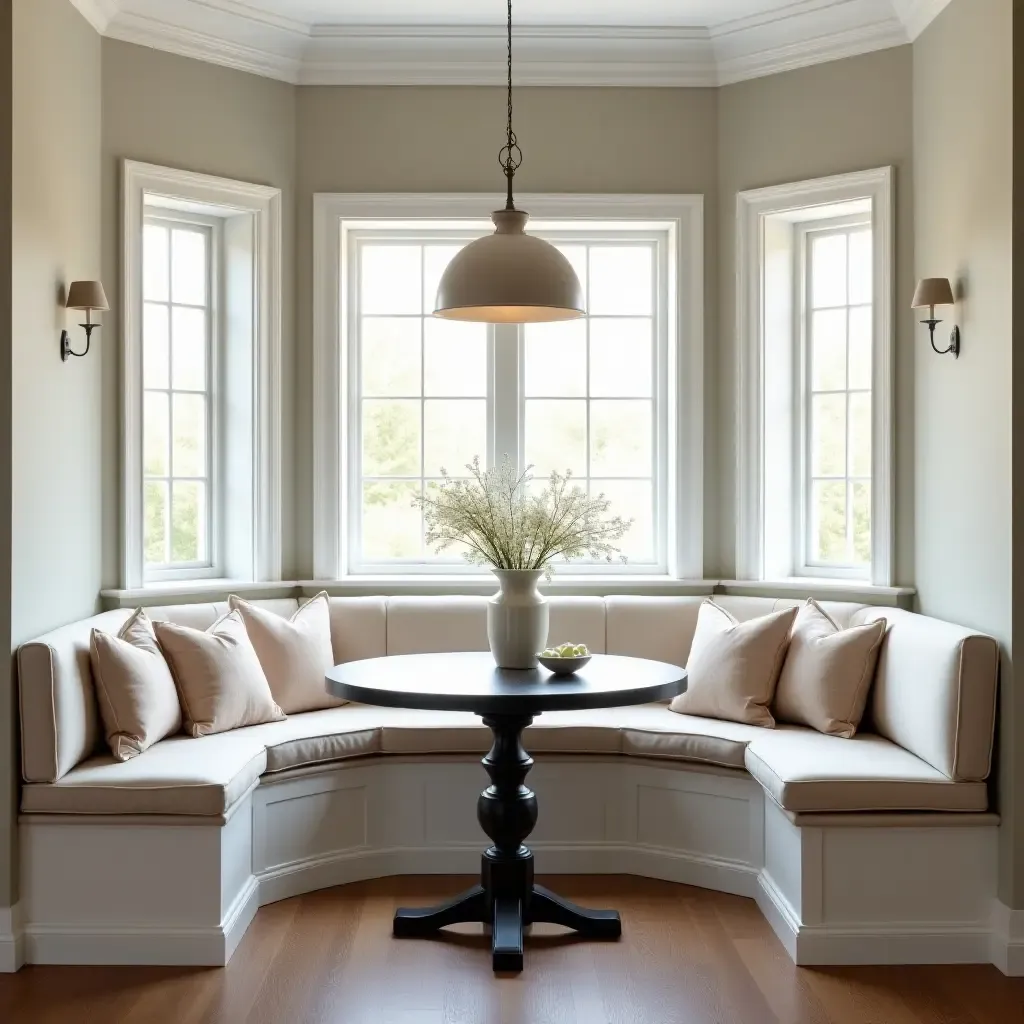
<point x="687" y="956"/>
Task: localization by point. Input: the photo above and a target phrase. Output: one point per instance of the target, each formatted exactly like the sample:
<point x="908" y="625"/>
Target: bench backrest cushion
<point x="934" y="694"/>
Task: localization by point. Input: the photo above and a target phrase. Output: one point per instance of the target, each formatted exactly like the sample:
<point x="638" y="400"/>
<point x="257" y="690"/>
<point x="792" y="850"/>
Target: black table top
<point x="472" y="682"/>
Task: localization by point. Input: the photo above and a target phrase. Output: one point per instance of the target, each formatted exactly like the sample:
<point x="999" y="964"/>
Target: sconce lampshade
<point x="933" y="291"/>
<point x="87" y="295"/>
<point x="509" y="277"/>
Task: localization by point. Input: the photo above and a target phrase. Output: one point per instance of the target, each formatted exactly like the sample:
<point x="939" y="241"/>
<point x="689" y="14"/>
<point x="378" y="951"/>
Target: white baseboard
<point x="864" y="945"/>
<point x="1007" y="949"/>
<point x="778" y="913"/>
<point x="140" y="946"/>
<point x="12" y="946"/>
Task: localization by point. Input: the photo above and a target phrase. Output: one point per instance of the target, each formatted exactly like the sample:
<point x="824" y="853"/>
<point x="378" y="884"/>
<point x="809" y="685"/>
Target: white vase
<point x="517" y="619"/>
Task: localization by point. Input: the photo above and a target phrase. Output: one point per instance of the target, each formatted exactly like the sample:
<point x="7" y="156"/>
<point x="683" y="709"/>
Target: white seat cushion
<point x="181" y="775"/>
<point x="808" y="771"/>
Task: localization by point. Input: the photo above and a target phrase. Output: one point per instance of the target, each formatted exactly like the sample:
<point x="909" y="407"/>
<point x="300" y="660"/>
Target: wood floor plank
<point x="687" y="956"/>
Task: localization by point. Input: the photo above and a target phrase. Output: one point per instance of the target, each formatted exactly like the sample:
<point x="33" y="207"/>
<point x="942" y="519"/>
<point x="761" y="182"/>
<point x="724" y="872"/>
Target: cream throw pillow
<point x="295" y="653"/>
<point x="734" y="666"/>
<point x="135" y="689"/>
<point x="828" y="672"/>
<point x="218" y="675"/>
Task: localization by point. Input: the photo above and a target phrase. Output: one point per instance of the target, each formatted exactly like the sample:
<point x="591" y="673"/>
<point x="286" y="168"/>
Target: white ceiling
<point x="555" y="42"/>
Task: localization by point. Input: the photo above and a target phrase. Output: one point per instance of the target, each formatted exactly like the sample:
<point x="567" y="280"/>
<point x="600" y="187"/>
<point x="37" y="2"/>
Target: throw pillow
<point x="219" y="678"/>
<point x="828" y="672"/>
<point x="734" y="666"/>
<point x="134" y="687"/>
<point x="295" y="653"/>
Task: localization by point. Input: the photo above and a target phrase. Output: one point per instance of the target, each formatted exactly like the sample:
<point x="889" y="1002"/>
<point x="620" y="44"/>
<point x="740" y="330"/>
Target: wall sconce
<point x="932" y="292"/>
<point x="87" y="295"/>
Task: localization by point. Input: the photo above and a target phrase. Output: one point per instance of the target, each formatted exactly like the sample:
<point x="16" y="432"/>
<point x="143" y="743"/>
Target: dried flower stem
<point x="505" y="526"/>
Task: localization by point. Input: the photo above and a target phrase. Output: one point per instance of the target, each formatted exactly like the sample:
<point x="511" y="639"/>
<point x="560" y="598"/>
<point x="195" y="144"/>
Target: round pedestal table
<point x="507" y="700"/>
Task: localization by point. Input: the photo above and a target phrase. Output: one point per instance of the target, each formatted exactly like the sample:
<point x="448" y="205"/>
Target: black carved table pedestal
<point x="507" y="898"/>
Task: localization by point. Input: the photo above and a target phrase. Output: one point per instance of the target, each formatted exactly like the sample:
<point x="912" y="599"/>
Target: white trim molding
<point x="12" y="950"/>
<point x="260" y="313"/>
<point x="756" y="210"/>
<point x="99" y="13"/>
<point x="917" y="15"/>
<point x="277" y="45"/>
<point x="682" y="218"/>
<point x="1008" y="939"/>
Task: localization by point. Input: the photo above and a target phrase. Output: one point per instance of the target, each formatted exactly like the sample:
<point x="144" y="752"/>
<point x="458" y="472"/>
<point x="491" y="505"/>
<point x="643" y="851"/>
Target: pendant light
<point x="509" y="277"/>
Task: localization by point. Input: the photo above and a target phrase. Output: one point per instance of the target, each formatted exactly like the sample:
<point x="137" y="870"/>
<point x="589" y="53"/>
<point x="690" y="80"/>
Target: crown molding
<point x="475" y="55"/>
<point x="848" y="43"/>
<point x="917" y="15"/>
<point x="235" y="35"/>
<point x="99" y="13"/>
<point x="144" y="30"/>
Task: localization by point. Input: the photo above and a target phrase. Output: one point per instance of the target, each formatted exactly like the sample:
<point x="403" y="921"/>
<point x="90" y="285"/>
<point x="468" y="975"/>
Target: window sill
<point x="484" y="583"/>
<point x="823" y="588"/>
<point x="186" y="591"/>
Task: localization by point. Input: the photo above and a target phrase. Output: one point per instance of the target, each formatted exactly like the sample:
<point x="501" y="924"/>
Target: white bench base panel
<point x="177" y="892"/>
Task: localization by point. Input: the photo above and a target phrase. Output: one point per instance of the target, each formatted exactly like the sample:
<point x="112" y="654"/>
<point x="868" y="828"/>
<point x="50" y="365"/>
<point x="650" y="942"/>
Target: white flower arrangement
<point x="505" y="525"/>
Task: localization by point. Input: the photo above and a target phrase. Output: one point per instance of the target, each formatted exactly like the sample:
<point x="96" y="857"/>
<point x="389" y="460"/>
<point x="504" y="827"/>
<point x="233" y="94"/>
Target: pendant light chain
<point x="511" y="156"/>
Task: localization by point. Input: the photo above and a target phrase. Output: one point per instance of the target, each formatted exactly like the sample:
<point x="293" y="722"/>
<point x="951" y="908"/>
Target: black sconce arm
<point x="65" y="342"/>
<point x="954" y="339"/>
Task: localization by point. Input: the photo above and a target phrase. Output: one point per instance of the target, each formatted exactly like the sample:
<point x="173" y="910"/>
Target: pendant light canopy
<point x="509" y="277"/>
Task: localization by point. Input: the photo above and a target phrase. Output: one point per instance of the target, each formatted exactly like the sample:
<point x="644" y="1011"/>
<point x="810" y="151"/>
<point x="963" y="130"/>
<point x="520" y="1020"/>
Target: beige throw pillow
<point x="218" y="675"/>
<point x="134" y="687"/>
<point x="295" y="653"/>
<point x="734" y="666"/>
<point x="828" y="672"/>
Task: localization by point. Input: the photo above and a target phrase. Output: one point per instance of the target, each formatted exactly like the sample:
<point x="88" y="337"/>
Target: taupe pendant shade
<point x="509" y="277"/>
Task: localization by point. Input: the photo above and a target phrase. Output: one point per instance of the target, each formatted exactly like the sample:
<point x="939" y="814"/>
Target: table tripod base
<point x="508" y="916"/>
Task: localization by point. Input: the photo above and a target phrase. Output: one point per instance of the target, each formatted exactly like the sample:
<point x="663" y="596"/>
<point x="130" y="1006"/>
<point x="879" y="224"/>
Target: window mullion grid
<point x="423" y="398"/>
<point x="586" y="381"/>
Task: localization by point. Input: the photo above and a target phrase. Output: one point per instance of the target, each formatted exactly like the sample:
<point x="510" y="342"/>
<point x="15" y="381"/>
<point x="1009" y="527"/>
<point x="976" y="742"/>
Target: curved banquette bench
<point x="871" y="849"/>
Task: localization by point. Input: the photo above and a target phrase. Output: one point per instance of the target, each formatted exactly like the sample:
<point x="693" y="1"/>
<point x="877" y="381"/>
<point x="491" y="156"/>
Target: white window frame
<point x="178" y="193"/>
<point x="338" y="215"/>
<point x="758" y="555"/>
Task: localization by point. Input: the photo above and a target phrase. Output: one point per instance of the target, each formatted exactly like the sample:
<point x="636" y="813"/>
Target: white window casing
<point x="672" y="225"/>
<point x="243" y="370"/>
<point x="772" y="311"/>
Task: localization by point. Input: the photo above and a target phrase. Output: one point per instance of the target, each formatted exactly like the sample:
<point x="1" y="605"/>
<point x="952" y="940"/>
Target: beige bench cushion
<point x="935" y="692"/>
<point x="320" y="737"/>
<point x="807" y="771"/>
<point x="650" y="730"/>
<point x="181" y="775"/>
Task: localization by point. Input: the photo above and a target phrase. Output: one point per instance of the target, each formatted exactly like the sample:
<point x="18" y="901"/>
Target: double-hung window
<point x="179" y="342"/>
<point x="814" y="322"/>
<point x="201" y="353"/>
<point x="834" y="483"/>
<point x="599" y="397"/>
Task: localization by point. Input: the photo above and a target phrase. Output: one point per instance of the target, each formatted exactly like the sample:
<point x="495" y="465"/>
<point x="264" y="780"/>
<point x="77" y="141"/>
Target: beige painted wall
<point x="963" y="155"/>
<point x="849" y="115"/>
<point x="8" y="716"/>
<point x="447" y="140"/>
<point x="177" y="112"/>
<point x="56" y="447"/>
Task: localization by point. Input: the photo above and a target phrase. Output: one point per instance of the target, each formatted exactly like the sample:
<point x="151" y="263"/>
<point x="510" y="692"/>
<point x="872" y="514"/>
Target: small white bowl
<point x="564" y="666"/>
